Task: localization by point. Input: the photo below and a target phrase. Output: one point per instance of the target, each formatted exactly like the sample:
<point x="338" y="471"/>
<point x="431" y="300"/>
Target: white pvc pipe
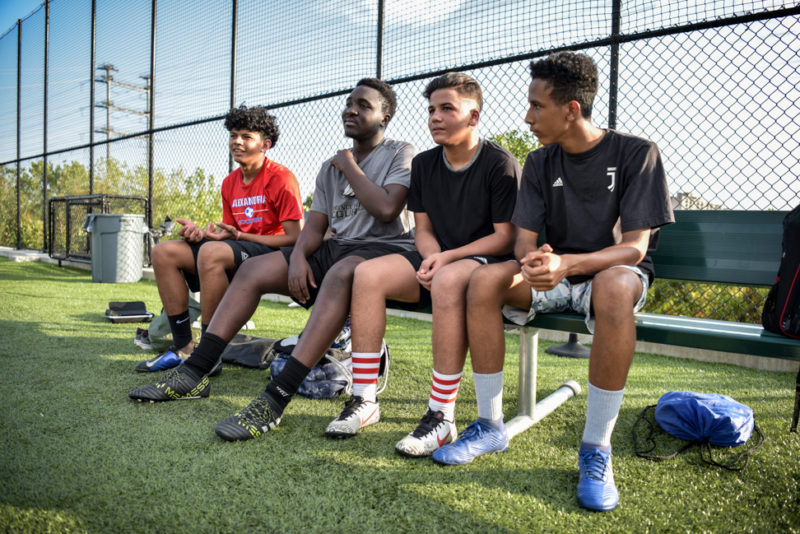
<point x="543" y="408"/>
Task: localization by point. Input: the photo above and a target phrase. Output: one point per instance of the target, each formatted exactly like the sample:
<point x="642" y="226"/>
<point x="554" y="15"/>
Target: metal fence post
<point x="91" y="96"/>
<point x="379" y="50"/>
<point x="613" y="75"/>
<point x="234" y="22"/>
<point x="44" y="121"/>
<point x="19" y="119"/>
<point x="152" y="115"/>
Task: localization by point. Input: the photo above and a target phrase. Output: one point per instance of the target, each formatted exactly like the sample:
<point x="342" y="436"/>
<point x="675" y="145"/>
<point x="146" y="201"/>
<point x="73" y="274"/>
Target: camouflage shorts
<point x="569" y="297"/>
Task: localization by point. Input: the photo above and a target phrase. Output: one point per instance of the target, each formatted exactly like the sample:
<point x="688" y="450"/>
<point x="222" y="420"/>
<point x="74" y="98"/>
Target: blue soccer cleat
<point x="596" y="489"/>
<point x="478" y="438"/>
<point x="167" y="360"/>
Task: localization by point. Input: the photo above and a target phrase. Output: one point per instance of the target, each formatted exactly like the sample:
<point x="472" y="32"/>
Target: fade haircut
<point x="255" y="119"/>
<point x="464" y="84"/>
<point x="572" y="76"/>
<point x="388" y="98"/>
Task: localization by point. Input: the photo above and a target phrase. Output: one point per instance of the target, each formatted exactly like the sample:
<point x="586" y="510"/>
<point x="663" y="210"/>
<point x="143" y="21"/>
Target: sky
<point x="11" y="10"/>
<point x="722" y="104"/>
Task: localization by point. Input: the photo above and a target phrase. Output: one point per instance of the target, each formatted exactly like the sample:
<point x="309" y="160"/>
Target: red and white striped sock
<point x="443" y="394"/>
<point x="366" y="366"/>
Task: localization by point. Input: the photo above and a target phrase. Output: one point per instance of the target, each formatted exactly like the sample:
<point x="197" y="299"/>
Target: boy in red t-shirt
<point x="261" y="212"/>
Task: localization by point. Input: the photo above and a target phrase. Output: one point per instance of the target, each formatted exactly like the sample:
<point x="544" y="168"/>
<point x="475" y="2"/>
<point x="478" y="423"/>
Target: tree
<point x="519" y="143"/>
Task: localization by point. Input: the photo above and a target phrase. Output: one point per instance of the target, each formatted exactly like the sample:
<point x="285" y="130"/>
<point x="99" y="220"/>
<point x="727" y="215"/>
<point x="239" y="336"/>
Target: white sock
<point x="489" y="393"/>
<point x="601" y="415"/>
<point x="444" y="391"/>
<point x="366" y="366"/>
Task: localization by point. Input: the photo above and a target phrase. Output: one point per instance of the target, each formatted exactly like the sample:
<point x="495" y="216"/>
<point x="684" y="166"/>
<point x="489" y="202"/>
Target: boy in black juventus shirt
<point x="600" y="196"/>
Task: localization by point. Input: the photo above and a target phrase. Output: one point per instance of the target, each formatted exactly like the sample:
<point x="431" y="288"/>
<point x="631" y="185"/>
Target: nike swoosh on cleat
<point x="442" y="441"/>
<point x="368" y="417"/>
<point x="151" y="363"/>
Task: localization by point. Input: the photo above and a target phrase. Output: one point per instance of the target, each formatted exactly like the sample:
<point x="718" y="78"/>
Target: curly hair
<point x="572" y="76"/>
<point x="464" y="84"/>
<point x="255" y="119"/>
<point x="389" y="99"/>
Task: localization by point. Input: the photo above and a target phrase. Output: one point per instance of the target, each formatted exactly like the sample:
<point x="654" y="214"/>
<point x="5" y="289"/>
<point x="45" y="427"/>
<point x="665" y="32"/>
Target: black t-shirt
<point x="463" y="205"/>
<point x="584" y="202"/>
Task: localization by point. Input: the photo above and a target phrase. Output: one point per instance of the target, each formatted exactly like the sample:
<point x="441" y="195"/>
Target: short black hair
<point x="389" y="104"/>
<point x="255" y="119"/>
<point x="572" y="76"/>
<point x="464" y="84"/>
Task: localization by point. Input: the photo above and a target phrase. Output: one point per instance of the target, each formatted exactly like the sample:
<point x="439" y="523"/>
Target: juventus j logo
<point x="612" y="172"/>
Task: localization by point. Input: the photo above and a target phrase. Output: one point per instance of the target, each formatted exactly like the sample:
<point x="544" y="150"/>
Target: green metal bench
<point x="742" y="248"/>
<point x="732" y="247"/>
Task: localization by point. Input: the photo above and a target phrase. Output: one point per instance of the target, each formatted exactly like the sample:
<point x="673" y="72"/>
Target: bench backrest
<point x="738" y="247"/>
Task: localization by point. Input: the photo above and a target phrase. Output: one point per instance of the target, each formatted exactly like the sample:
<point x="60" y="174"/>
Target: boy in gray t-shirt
<point x="361" y="195"/>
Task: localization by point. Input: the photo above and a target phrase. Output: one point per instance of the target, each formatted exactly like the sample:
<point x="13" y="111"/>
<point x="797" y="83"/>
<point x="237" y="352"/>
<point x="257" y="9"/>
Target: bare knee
<point x="368" y="280"/>
<point x="615" y="291"/>
<point x="171" y="254"/>
<point x="339" y="278"/>
<point x="449" y="285"/>
<point x="214" y="256"/>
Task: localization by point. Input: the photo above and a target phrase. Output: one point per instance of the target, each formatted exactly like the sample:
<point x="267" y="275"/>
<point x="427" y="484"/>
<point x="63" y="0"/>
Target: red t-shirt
<point x="260" y="206"/>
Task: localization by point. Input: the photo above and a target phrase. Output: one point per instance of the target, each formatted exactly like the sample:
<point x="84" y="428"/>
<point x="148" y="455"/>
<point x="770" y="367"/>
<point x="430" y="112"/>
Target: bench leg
<point x="796" y="404"/>
<point x="530" y="412"/>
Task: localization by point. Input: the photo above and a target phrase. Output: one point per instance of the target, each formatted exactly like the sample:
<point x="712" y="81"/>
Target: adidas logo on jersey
<point x="558" y="182"/>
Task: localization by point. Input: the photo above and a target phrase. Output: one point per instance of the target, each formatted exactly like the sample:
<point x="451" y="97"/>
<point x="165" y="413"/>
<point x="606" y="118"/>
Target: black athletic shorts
<point x="241" y="251"/>
<point x="415" y="260"/>
<point x="331" y="251"/>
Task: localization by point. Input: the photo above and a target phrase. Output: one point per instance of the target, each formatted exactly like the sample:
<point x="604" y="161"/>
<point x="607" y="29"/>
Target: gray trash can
<point x="117" y="245"/>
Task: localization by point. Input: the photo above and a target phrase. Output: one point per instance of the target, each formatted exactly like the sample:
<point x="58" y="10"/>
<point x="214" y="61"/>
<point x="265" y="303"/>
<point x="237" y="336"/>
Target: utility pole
<point x="108" y="79"/>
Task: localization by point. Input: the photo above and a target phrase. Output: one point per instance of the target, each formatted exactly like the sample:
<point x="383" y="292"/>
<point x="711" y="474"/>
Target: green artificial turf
<point x="76" y="455"/>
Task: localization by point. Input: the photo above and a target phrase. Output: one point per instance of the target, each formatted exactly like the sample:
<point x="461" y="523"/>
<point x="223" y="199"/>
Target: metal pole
<point x="151" y="118"/>
<point x="44" y="122"/>
<point x="613" y="78"/>
<point x="234" y="20"/>
<point x="91" y="97"/>
<point x="19" y="118"/>
<point x="379" y="50"/>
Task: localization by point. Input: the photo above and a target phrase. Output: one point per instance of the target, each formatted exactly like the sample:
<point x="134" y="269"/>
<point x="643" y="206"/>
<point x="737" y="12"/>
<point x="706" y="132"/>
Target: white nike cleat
<point x="357" y="414"/>
<point x="432" y="432"/>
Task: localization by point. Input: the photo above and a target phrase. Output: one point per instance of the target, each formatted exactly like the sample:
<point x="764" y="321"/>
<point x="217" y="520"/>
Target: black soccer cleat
<point x="174" y="385"/>
<point x="252" y="421"/>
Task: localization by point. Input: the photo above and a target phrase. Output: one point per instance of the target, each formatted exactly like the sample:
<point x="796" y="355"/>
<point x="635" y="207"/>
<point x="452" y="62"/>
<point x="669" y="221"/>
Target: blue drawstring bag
<point x="703" y="419"/>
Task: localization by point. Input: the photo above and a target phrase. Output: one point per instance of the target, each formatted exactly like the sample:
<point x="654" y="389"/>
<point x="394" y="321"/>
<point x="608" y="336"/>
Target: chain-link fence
<point x="126" y="98"/>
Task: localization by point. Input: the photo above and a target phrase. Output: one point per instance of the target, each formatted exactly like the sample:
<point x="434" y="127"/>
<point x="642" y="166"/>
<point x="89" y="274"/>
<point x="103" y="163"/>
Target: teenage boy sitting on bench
<point x="462" y="195"/>
<point x="599" y="195"/>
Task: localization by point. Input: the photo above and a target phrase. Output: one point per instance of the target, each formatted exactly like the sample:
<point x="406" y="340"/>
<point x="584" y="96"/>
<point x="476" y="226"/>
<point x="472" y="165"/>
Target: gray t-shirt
<point x="388" y="163"/>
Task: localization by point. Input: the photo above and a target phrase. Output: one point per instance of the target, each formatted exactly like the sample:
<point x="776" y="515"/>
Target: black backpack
<point x="782" y="309"/>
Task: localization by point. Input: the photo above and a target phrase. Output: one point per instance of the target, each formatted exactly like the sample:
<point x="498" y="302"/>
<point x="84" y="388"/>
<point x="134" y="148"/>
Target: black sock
<point x="283" y="387"/>
<point x="205" y="355"/>
<point x="203" y="328"/>
<point x="181" y="327"/>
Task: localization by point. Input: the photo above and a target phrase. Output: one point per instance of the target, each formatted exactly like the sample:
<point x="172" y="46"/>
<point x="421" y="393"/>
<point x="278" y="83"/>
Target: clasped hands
<point x="215" y="231"/>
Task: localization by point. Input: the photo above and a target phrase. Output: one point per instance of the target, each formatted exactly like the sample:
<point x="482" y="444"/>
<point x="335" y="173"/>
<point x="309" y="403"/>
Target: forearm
<point x="594" y="262"/>
<point x="375" y="199"/>
<point x="495" y="244"/>
<point x="306" y="244"/>
<point x="426" y="243"/>
<point x="274" y="241"/>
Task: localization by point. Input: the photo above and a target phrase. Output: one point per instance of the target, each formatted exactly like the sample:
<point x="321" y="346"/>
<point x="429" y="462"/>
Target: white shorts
<point x="569" y="297"/>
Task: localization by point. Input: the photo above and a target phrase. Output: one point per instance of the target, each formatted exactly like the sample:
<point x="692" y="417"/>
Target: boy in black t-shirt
<point x="600" y="196"/>
<point x="462" y="195"/>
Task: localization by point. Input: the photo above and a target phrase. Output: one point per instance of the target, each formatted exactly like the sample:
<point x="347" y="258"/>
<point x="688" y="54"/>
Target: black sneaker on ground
<point x="250" y="422"/>
<point x="175" y="384"/>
